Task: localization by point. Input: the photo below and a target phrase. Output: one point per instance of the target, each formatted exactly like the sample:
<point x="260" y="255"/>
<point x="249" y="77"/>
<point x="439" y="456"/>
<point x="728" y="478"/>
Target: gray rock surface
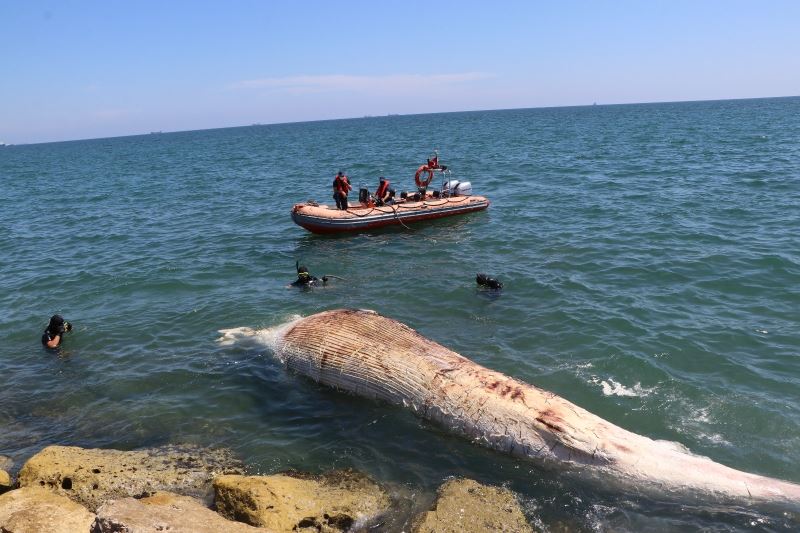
<point x="164" y="511"/>
<point x="38" y="510"/>
<point x="93" y="476"/>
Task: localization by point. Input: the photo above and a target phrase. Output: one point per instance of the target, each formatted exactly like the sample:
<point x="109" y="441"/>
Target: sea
<point x="650" y="256"/>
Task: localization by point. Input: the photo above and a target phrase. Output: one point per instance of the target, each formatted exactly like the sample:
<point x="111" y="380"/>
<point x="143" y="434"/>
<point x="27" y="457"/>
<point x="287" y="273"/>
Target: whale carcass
<point x="379" y="358"/>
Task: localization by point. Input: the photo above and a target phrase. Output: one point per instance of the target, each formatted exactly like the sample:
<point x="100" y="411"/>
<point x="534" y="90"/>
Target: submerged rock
<point x="36" y="510"/>
<point x="336" y="501"/>
<point x="164" y="511"/>
<point x="466" y="505"/>
<point x="93" y="476"/>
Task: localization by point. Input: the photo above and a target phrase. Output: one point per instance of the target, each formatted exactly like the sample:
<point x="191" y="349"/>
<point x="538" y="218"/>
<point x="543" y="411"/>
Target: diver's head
<point x="301" y="270"/>
<point x="383" y="180"/>
<point x="56" y="324"/>
<point x="340" y="173"/>
<point x="486" y="281"/>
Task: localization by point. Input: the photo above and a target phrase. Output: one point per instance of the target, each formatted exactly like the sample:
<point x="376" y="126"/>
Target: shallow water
<point x="650" y="256"/>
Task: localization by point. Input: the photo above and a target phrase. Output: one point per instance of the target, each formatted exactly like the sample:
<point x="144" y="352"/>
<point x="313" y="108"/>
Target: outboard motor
<point x="464" y="188"/>
<point x="363" y="195"/>
<point x="449" y="188"/>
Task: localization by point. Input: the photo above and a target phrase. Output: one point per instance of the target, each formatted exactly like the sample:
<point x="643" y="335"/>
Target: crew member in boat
<point x="341" y="186"/>
<point x="383" y="194"/>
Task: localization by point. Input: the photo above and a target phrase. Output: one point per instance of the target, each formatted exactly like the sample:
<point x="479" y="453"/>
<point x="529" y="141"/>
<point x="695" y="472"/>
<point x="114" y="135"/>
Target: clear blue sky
<point x="82" y="69"/>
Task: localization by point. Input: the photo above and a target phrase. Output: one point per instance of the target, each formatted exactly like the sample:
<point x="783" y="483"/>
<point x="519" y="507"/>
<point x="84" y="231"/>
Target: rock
<point x="466" y="505"/>
<point x="5" y="482"/>
<point x="93" y="476"/>
<point x="35" y="510"/>
<point x="292" y="502"/>
<point x="5" y="478"/>
<point x="164" y="511"/>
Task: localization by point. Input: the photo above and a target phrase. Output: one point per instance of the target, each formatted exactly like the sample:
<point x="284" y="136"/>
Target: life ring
<point x="420" y="170"/>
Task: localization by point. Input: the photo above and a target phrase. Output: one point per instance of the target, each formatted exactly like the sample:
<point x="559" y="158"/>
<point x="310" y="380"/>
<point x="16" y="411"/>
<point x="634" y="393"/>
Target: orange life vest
<point x="382" y="188"/>
<point x="341" y="184"/>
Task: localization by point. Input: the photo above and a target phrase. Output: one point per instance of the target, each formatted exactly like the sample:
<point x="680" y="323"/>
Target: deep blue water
<point x="650" y="256"/>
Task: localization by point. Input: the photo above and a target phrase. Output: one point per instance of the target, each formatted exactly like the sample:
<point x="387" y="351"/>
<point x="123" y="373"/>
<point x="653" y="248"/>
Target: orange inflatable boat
<point x="365" y="215"/>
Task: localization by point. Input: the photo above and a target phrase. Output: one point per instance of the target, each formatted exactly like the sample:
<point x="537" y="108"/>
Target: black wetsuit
<point x="305" y="281"/>
<point x="48" y="335"/>
<point x="485" y="281"/>
<point x="56" y="328"/>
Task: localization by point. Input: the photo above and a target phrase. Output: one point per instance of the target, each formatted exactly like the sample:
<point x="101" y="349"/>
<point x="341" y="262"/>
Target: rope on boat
<point x="365" y="214"/>
<point x="398" y="218"/>
<point x="394" y="207"/>
<point x="397" y="207"/>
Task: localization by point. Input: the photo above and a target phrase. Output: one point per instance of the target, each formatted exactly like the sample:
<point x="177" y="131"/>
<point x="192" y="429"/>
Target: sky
<point x="88" y="69"/>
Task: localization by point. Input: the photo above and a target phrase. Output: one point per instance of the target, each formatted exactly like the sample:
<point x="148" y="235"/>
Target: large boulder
<point x="5" y="481"/>
<point x="36" y="510"/>
<point x="93" y="476"/>
<point x="5" y="478"/>
<point x="292" y="502"/>
<point x="164" y="511"/>
<point x="466" y="505"/>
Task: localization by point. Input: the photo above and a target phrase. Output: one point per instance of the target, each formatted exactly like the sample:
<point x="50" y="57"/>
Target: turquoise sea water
<point x="650" y="256"/>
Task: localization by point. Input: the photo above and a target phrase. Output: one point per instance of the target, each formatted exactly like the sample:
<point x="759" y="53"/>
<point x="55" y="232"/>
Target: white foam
<point x="614" y="388"/>
<point x="702" y="415"/>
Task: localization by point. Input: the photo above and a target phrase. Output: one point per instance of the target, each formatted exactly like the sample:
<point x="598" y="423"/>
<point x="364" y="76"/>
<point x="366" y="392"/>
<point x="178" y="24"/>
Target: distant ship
<point x="155" y="132"/>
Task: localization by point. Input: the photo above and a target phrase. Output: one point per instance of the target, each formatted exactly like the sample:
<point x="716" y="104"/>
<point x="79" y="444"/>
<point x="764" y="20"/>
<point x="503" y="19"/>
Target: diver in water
<point x="54" y="334"/>
<point x="485" y="281"/>
<point x="305" y="279"/>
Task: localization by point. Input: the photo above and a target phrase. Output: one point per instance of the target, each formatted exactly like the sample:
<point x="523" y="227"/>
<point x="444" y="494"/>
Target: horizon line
<point x="258" y="124"/>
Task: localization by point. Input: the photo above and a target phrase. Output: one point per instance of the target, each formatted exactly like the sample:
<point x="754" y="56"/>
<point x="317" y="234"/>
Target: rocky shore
<point x="186" y="489"/>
